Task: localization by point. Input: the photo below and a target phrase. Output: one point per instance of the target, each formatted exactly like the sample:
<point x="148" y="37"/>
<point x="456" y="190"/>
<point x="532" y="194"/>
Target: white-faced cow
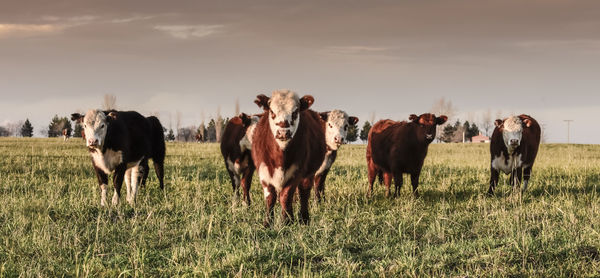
<point x="395" y="148"/>
<point x="236" y="148"/>
<point x="120" y="143"/>
<point x="288" y="147"/>
<point x="335" y="125"/>
<point x="513" y="148"/>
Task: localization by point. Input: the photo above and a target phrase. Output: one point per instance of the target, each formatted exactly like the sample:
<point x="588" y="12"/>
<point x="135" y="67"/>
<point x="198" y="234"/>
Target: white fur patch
<point x="500" y="163"/>
<point x="246" y="142"/>
<point x="283" y="104"/>
<point x="279" y="177"/>
<point x="95" y="127"/>
<point x="103" y="195"/>
<point x="336" y="126"/>
<point x="108" y="161"/>
<point x="327" y="162"/>
<point x="266" y="192"/>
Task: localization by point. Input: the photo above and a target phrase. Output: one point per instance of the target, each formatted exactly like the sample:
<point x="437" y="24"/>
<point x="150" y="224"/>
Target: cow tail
<point x="158" y="140"/>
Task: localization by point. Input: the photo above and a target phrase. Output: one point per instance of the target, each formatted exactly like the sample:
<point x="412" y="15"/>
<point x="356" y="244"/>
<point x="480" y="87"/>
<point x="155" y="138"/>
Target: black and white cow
<point x="120" y="143"/>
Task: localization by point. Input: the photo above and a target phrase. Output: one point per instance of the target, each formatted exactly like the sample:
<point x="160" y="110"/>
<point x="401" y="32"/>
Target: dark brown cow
<point x="395" y="148"/>
<point x="237" y="153"/>
<point x="513" y="148"/>
<point x="288" y="146"/>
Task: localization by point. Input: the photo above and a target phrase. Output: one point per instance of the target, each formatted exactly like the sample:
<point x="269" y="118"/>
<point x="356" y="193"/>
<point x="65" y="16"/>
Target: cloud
<point x="354" y="50"/>
<point x="131" y="19"/>
<point x="189" y="31"/>
<point x="28" y="30"/>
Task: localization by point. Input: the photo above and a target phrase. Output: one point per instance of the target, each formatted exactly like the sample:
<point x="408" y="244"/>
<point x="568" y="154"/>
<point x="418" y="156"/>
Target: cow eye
<point x="102" y="126"/>
<point x="272" y="114"/>
<point x="346" y="127"/>
<point x="294" y="115"/>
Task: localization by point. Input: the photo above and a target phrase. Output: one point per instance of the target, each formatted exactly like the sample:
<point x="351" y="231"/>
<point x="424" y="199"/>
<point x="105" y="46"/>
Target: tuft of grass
<point x="51" y="223"/>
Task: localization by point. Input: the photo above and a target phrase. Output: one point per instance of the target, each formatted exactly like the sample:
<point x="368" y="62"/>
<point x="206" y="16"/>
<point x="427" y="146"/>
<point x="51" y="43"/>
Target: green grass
<point x="51" y="223"/>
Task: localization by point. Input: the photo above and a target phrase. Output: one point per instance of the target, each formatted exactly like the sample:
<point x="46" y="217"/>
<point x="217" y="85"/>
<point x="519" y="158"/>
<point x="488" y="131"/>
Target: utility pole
<point x="568" y="130"/>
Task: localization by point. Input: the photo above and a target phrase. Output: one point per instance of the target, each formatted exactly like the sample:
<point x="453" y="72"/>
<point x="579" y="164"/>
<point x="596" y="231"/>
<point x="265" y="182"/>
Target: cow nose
<point x="284" y="124"/>
<point x="514" y="141"/>
<point x="283" y="135"/>
<point x="93" y="142"/>
<point x="338" y="140"/>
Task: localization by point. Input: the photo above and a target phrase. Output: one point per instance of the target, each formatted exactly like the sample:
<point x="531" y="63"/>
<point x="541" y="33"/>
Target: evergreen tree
<point x="211" y="131"/>
<point x="364" y="133"/>
<point x="78" y="129"/>
<point x="4" y="132"/>
<point x="170" y="136"/>
<point x="448" y="133"/>
<point x="352" y="133"/>
<point x="27" y="129"/>
<point x="57" y="125"/>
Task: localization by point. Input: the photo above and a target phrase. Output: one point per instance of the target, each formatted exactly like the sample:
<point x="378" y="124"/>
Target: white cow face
<point x="95" y="125"/>
<point x="512" y="131"/>
<point x="337" y="124"/>
<point x="284" y="109"/>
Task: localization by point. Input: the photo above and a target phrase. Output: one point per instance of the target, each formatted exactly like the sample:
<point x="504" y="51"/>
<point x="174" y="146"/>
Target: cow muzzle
<point x="283" y="135"/>
<point x="429" y="136"/>
<point x="514" y="142"/>
<point x="94" y="143"/>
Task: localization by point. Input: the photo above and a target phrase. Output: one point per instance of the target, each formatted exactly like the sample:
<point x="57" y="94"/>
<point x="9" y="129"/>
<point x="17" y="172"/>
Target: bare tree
<point x="372" y="118"/>
<point x="219" y="124"/>
<point x="109" y="102"/>
<point x="14" y="128"/>
<point x="443" y="107"/>
<point x="499" y="114"/>
<point x="237" y="106"/>
<point x="178" y="121"/>
<point x="544" y="137"/>
<point x="486" y="121"/>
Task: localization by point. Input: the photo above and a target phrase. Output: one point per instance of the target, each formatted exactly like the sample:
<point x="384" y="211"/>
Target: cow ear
<point x="441" y="119"/>
<point x="246" y="120"/>
<point x="324" y="115"/>
<point x="112" y="115"/>
<point x="262" y="101"/>
<point x="352" y="120"/>
<point x="498" y="122"/>
<point x="76" y="117"/>
<point x="306" y="101"/>
<point x="413" y="117"/>
<point x="527" y="123"/>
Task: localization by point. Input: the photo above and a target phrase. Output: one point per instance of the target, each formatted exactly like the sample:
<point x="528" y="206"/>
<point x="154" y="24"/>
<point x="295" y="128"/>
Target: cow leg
<point x="246" y="183"/>
<point x="135" y="177"/>
<point x="160" y="173"/>
<point x="319" y="185"/>
<point x="414" y="180"/>
<point x="398" y="181"/>
<point x="103" y="183"/>
<point x="516" y="177"/>
<point x="235" y="180"/>
<point x="494" y="175"/>
<point x="526" y="176"/>
<point x="270" y="199"/>
<point x="144" y="170"/>
<point x="286" y="199"/>
<point x="128" y="183"/>
<point x="372" y="172"/>
<point x="304" y="189"/>
<point x="117" y="183"/>
<point x="387" y="180"/>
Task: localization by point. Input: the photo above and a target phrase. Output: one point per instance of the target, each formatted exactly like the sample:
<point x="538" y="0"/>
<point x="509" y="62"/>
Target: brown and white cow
<point x="66" y="133"/>
<point x="513" y="148"/>
<point x="236" y="148"/>
<point x="288" y="146"/>
<point x="335" y="125"/>
<point x="395" y="148"/>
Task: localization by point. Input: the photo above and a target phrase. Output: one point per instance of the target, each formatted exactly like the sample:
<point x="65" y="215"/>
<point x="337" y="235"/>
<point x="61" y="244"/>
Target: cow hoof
<point x="267" y="224"/>
<point x="115" y="200"/>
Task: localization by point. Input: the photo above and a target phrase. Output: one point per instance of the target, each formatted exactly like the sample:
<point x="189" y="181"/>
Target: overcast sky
<point x="390" y="58"/>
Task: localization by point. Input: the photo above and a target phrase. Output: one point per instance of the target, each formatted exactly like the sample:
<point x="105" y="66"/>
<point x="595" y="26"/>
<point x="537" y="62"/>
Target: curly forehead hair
<point x="92" y="115"/>
<point x="512" y="124"/>
<point x="337" y="117"/>
<point x="283" y="100"/>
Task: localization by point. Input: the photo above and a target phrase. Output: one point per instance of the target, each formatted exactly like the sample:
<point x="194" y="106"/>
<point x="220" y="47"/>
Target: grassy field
<point x="51" y="223"/>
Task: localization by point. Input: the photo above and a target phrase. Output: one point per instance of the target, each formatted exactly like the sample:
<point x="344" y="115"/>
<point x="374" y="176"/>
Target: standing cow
<point x="66" y="133"/>
<point x="513" y="148"/>
<point x="335" y="125"/>
<point x="120" y="143"/>
<point x="288" y="146"/>
<point x="236" y="148"/>
<point x="395" y="148"/>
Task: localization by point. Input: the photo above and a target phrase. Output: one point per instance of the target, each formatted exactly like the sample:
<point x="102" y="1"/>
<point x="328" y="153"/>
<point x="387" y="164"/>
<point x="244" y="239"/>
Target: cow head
<point x="95" y="124"/>
<point x="427" y="125"/>
<point x="336" y="127"/>
<point x="284" y="109"/>
<point x="512" y="131"/>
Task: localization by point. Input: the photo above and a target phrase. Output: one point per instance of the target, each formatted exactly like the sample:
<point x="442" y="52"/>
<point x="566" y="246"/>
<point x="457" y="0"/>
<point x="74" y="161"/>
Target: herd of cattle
<point x="293" y="148"/>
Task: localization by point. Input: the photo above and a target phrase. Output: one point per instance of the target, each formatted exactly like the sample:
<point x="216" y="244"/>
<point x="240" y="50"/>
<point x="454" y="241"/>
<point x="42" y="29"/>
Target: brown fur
<point x="306" y="150"/>
<point x="395" y="148"/>
<point x="233" y="133"/>
<point x="528" y="148"/>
